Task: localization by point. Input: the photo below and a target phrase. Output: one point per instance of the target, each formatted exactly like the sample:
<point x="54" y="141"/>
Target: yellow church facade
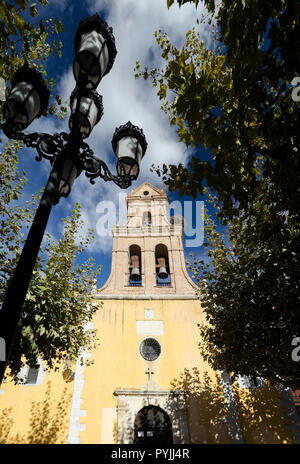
<point x="145" y="382"/>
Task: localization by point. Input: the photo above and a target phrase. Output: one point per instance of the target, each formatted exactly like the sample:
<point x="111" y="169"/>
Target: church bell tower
<point x="147" y="325"/>
<point x="147" y="255"/>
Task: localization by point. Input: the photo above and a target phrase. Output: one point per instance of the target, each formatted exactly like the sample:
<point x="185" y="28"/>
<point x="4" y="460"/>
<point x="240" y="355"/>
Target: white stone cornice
<point x="164" y="296"/>
<point x="129" y="392"/>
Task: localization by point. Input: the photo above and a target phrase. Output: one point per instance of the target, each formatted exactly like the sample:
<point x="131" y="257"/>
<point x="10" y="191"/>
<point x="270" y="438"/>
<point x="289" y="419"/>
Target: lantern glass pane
<point x="87" y="114"/>
<point x="129" y="153"/>
<point x="23" y="105"/>
<point x="69" y="174"/>
<point x="129" y="147"/>
<point x="15" y="114"/>
<point x="127" y="167"/>
<point x="33" y="105"/>
<point x="92" y="58"/>
<point x="93" y="53"/>
<point x="93" y="81"/>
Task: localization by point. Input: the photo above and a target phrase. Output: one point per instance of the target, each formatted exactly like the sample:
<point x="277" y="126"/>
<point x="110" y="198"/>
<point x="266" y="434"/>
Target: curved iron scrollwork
<point x="47" y="146"/>
<point x="50" y="146"/>
<point x="94" y="167"/>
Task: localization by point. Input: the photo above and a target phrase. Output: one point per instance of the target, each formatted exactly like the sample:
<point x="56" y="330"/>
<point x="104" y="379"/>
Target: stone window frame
<point x="23" y="375"/>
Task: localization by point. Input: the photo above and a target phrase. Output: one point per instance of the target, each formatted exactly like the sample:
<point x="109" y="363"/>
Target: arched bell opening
<point x="152" y="425"/>
<point x="147" y="221"/>
<point x="135" y="266"/>
<point x="162" y="265"/>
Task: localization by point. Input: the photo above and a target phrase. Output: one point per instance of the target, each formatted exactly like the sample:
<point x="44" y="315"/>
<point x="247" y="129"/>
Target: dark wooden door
<point x="152" y="425"/>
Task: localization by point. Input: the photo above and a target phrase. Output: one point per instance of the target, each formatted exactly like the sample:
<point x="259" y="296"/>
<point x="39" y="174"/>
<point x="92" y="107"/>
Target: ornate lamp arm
<point x="50" y="146"/>
<point x="94" y="167"/>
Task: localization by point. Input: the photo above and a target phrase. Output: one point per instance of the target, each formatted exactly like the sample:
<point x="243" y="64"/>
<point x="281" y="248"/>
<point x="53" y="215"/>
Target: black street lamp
<point x="68" y="154"/>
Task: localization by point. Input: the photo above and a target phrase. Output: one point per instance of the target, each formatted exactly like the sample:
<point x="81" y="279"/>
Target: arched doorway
<point x="152" y="425"/>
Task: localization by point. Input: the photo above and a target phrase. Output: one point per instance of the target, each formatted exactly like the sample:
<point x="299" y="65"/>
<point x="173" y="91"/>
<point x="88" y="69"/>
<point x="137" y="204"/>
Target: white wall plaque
<point x="149" y="327"/>
<point x="149" y="313"/>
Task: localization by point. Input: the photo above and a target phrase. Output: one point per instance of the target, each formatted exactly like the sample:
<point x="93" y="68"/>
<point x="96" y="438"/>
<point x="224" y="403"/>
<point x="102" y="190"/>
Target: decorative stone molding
<point x="23" y="375"/>
<point x="130" y="402"/>
<point x="116" y="296"/>
<point x="76" y="426"/>
<point x="233" y="421"/>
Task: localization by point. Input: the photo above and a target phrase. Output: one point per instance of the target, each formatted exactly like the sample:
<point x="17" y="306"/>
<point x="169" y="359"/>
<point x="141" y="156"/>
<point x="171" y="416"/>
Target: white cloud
<point x="126" y="98"/>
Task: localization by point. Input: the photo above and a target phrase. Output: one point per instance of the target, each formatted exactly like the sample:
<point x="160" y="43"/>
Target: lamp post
<point x="68" y="154"/>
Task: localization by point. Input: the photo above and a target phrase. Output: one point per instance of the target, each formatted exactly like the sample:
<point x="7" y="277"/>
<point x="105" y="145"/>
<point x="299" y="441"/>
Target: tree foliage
<point x="236" y="101"/>
<point x="12" y="215"/>
<point x="249" y="289"/>
<point x="59" y="302"/>
<point x="21" y="41"/>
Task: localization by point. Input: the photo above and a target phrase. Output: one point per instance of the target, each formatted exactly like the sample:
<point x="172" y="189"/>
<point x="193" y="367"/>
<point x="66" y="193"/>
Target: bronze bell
<point x="162" y="270"/>
<point x="135" y="274"/>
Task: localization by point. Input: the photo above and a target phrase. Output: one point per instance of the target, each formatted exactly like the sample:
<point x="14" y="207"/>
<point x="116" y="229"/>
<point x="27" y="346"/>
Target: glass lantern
<point x="129" y="144"/>
<point x="28" y="98"/>
<point x="86" y="111"/>
<point x="95" y="51"/>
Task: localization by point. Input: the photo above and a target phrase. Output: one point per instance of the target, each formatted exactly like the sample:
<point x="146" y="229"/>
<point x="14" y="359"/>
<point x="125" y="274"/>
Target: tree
<point x="249" y="289"/>
<point x="59" y="302"/>
<point x="20" y="42"/>
<point x="12" y="215"/>
<point x="235" y="101"/>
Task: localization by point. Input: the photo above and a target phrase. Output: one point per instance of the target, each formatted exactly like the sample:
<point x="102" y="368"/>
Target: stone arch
<point x="135" y="265"/>
<point x="162" y="262"/>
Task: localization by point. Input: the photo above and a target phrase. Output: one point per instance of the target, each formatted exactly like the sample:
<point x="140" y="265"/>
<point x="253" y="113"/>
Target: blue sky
<point x="125" y="98"/>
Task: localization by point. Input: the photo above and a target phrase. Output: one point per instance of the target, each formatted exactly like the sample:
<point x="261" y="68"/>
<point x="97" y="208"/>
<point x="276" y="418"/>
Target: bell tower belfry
<point x="148" y="255"/>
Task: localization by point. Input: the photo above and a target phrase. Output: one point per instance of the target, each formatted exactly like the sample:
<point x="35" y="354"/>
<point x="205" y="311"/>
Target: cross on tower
<point x="149" y="373"/>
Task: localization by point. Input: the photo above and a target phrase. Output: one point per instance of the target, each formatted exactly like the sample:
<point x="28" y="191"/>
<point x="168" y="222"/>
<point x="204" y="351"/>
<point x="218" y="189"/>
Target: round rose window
<point x="150" y="349"/>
